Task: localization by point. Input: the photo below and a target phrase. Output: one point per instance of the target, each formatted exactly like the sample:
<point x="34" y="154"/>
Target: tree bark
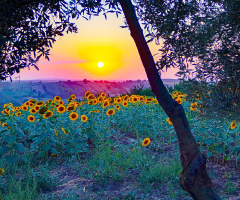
<point x="194" y="177"/>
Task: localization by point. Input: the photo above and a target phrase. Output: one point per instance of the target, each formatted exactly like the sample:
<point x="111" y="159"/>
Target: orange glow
<point x="110" y="56"/>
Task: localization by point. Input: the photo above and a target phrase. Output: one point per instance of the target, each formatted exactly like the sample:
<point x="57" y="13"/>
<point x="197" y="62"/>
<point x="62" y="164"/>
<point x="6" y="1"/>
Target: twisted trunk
<point x="194" y="177"/>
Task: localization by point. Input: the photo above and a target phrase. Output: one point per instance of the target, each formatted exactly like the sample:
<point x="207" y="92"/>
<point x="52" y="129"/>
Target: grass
<point x="103" y="158"/>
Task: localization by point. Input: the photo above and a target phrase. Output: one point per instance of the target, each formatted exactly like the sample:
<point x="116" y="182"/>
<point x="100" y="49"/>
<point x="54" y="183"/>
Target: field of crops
<point x="126" y="139"/>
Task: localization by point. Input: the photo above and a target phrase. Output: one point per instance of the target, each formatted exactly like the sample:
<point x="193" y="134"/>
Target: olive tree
<point x="194" y="177"/>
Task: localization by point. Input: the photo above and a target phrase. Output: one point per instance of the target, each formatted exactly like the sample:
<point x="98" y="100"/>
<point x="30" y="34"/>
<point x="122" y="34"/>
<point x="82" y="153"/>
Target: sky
<point x="75" y="56"/>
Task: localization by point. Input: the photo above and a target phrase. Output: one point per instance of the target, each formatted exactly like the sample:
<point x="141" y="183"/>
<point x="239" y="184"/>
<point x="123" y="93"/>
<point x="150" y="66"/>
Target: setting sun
<point x="100" y="64"/>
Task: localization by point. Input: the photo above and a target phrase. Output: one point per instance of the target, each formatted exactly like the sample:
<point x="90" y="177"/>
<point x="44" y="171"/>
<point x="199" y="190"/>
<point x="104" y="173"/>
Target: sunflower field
<point x="57" y="128"/>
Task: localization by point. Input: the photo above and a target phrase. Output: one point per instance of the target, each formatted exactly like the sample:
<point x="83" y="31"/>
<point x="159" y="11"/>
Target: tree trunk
<point x="194" y="177"/>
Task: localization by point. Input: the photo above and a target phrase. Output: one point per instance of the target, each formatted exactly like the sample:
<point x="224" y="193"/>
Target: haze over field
<point x="18" y="92"/>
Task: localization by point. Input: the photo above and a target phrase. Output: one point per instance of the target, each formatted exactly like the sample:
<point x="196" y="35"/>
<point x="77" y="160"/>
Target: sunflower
<point x="64" y="131"/>
<point x="179" y="101"/>
<point x="32" y="111"/>
<point x="2" y="171"/>
<point x="134" y="99"/>
<point x="94" y="111"/>
<point x="71" y="107"/>
<point x="4" y="124"/>
<point x="61" y="102"/>
<point x="84" y="118"/>
<point x="48" y="114"/>
<point x="24" y="107"/>
<point x="118" y="107"/>
<point x="100" y="99"/>
<point x="125" y="98"/>
<point x="146" y="142"/>
<point x="118" y="100"/>
<point x="57" y="99"/>
<point x="169" y="121"/>
<point x="18" y="114"/>
<point x="31" y="104"/>
<point x="106" y="103"/>
<point x="31" y="118"/>
<point x="40" y="103"/>
<point x="61" y="109"/>
<point x="43" y="110"/>
<point x="90" y="102"/>
<point x="110" y="112"/>
<point x="73" y="116"/>
<point x="95" y="101"/>
<point x="73" y="96"/>
<point x="103" y="94"/>
<point x="233" y="125"/>
<point x="27" y="103"/>
<point x="70" y="99"/>
<point x="37" y="107"/>
<point x="91" y="96"/>
<point x="87" y="93"/>
<point x="193" y="106"/>
<point x="56" y="133"/>
<point x="125" y="103"/>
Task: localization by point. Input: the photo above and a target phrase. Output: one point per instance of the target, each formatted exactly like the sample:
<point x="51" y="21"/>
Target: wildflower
<point x="61" y="109"/>
<point x="233" y="125"/>
<point x="56" y="133"/>
<point x="1" y="171"/>
<point x="31" y="118"/>
<point x="64" y="131"/>
<point x="110" y="112"/>
<point x="84" y="118"/>
<point x="146" y="142"/>
<point x="169" y="121"/>
<point x="73" y="116"/>
<point x="53" y="154"/>
<point x="48" y="114"/>
<point x="234" y="103"/>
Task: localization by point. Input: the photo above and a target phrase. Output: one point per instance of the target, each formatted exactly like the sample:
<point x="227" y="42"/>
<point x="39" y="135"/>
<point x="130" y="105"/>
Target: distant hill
<point x="19" y="92"/>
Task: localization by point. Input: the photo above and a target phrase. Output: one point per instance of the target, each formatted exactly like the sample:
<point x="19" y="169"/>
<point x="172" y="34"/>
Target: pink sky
<point x="75" y="56"/>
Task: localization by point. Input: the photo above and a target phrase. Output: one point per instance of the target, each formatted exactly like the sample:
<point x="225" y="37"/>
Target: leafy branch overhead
<point x="29" y="28"/>
<point x="200" y="33"/>
<point x="204" y="34"/>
